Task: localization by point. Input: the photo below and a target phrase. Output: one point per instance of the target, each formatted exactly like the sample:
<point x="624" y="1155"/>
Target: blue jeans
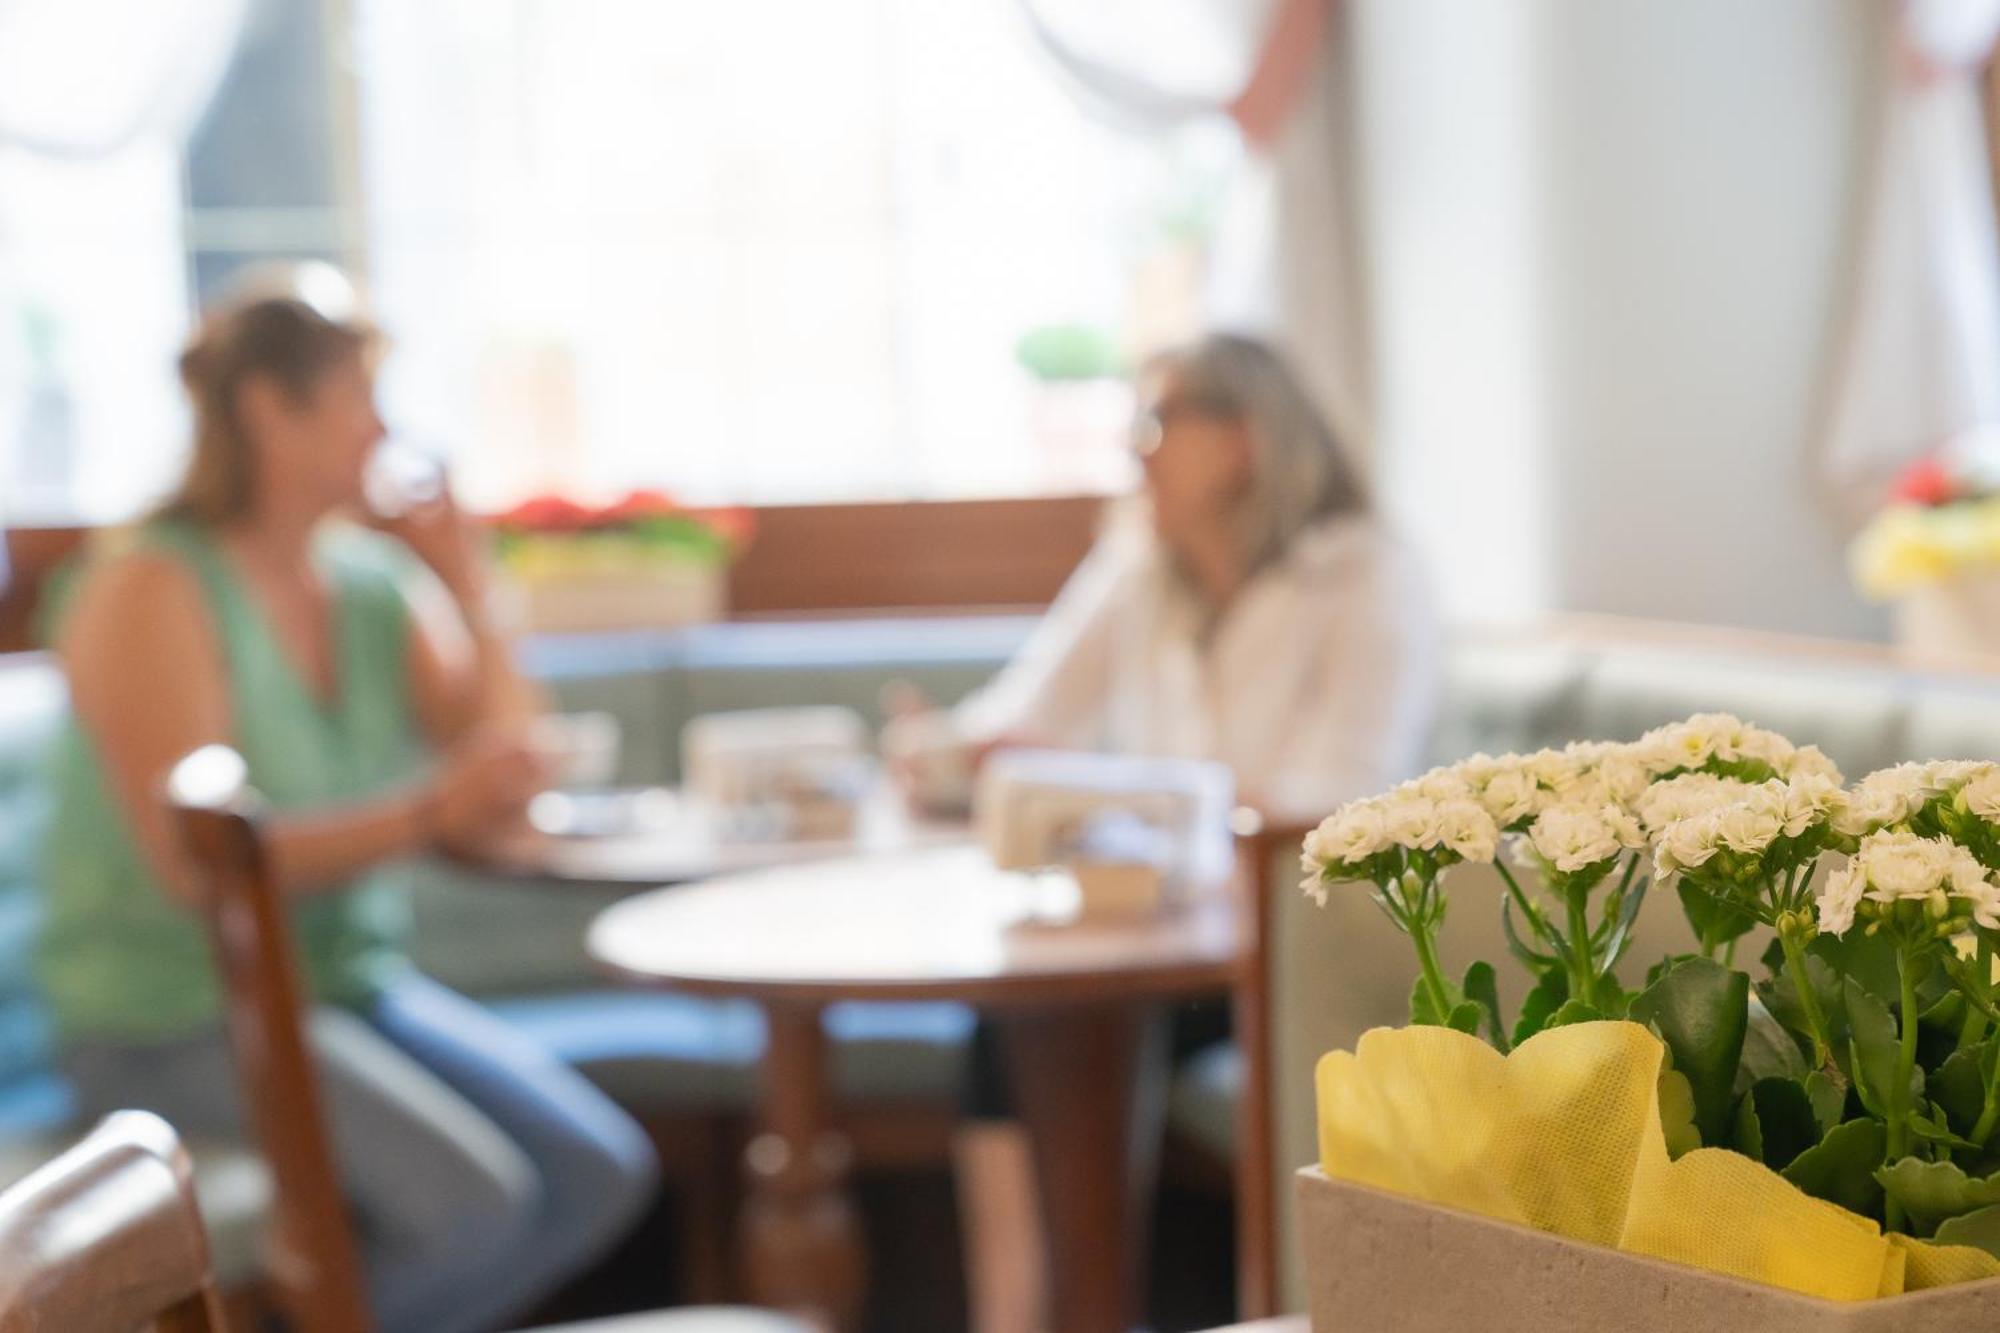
<point x="482" y="1171"/>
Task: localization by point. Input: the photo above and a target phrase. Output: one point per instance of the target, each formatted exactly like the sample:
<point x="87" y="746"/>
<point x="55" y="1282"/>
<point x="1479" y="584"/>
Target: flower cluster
<point x="1890" y="797"/>
<point x="1368" y="839"/>
<point x="1726" y="746"/>
<point x="1582" y="838"/>
<point x="1741" y="824"/>
<point x="1895" y="867"/>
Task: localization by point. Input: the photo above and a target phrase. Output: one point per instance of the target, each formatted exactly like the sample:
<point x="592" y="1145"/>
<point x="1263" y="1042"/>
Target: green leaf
<point x="1782" y="999"/>
<point x="1677" y="1113"/>
<point x="1840" y="1168"/>
<point x="1769" y="1051"/>
<point x="1930" y="1192"/>
<point x="1666" y="965"/>
<point x="1700" y="1010"/>
<point x="1749" y="1130"/>
<point x="1869" y="960"/>
<point x="1782" y="1117"/>
<point x="1532" y="958"/>
<point x="1931" y="1127"/>
<point x="1465" y="1018"/>
<point x="1828" y="1098"/>
<point x="1716" y="920"/>
<point x="1876" y="1054"/>
<point x="1945" y="1014"/>
<point x="1482" y="987"/>
<point x="1621" y="934"/>
<point x="1548" y="995"/>
<point x="1981" y="1230"/>
<point x="1423" y="1013"/>
<point x="1959" y="1086"/>
<point x="1575" y="1011"/>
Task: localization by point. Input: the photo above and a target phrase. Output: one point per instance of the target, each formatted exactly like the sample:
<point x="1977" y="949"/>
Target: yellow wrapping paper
<point x="1564" y="1135"/>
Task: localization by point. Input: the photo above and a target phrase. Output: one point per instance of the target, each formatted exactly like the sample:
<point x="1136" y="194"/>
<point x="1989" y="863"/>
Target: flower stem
<point x="1583" y="963"/>
<point x="1795" y="967"/>
<point x="1898" y="1097"/>
<point x="1434" y="982"/>
<point x="1974" y="1030"/>
<point x="1989" y="1114"/>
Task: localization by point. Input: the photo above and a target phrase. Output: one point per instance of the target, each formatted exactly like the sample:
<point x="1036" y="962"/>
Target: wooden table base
<point x="802" y="1244"/>
<point x="1090" y="1084"/>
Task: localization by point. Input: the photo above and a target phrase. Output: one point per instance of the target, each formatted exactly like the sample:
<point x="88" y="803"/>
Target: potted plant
<point x="1934" y="550"/>
<point x="642" y="562"/>
<point x="1810" y="1143"/>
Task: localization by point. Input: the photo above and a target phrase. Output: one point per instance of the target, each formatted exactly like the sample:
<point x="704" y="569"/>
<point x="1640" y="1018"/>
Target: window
<point x="769" y="251"/>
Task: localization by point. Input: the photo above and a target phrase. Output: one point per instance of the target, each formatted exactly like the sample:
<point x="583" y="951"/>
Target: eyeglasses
<point x="1149" y="428"/>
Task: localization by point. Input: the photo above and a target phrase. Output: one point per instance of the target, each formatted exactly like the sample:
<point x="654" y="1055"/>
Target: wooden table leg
<point x="801" y="1241"/>
<point x="1090" y="1084"/>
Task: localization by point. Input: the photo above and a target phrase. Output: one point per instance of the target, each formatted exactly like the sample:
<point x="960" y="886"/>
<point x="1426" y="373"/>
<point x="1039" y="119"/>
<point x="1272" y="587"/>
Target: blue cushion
<point x="661" y="1052"/>
<point x="32" y="705"/>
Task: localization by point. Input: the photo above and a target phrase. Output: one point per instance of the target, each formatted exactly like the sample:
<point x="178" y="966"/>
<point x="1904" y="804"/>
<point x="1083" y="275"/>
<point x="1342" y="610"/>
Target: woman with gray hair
<point x="1249" y="609"/>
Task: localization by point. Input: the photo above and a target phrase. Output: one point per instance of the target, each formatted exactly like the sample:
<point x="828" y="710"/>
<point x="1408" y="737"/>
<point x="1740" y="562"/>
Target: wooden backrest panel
<point x="314" y="1267"/>
<point x="107" y="1236"/>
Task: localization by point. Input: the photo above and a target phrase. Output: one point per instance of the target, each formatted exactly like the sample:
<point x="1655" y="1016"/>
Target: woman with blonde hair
<point x="355" y="667"/>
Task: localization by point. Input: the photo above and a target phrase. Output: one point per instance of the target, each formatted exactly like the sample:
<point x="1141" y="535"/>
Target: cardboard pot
<point x="1376" y="1261"/>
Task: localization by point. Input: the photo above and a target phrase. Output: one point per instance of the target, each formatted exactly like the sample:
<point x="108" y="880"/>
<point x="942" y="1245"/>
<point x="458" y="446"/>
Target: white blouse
<point x="1317" y="685"/>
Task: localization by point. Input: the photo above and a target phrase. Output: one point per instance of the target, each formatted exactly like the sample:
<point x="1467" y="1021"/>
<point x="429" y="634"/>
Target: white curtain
<point x="83" y="78"/>
<point x="1916" y="363"/>
<point x="1286" y="260"/>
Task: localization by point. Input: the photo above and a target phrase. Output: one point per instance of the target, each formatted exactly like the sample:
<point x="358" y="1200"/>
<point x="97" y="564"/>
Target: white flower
<point x="1573" y="838"/>
<point x="1892" y="866"/>
<point x="1982" y="796"/>
<point x="1840" y="896"/>
<point x="1511" y="795"/>
<point x="1766" y="747"/>
<point x="1688" y="844"/>
<point x="1625" y="775"/>
<point x="1882" y="798"/>
<point x="1809" y="761"/>
<point x="1440" y="784"/>
<point x="1684" y="797"/>
<point x="1749" y="826"/>
<point x="1314" y="884"/>
<point x="1805" y="800"/>
<point x="1350" y="835"/>
<point x="1902" y="865"/>
<point x="1943" y="777"/>
<point x="1982" y="896"/>
<point x="1687" y="744"/>
<point x="1466" y="829"/>
<point x="1412" y="821"/>
<point x="1553" y="769"/>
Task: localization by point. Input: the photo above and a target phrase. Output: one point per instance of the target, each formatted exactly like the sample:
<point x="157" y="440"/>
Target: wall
<point x="1605" y="239"/>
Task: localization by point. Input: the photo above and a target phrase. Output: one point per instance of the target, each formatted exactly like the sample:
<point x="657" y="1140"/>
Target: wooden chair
<point x="108" y="1236"/>
<point x="1263" y="850"/>
<point x="316" y="1275"/>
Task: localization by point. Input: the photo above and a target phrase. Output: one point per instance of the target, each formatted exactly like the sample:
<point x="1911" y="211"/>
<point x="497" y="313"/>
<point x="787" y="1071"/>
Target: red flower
<point x="1928" y="482"/>
<point x="641" y="504"/>
<point x="546" y="513"/>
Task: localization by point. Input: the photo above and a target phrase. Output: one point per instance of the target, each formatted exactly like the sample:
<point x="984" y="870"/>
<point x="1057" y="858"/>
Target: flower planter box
<point x="1958" y="617"/>
<point x="1376" y="1261"/>
<point x="663" y="598"/>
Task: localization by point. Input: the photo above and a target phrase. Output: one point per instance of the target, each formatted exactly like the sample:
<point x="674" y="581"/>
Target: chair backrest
<point x="315" y="1270"/>
<point x="108" y="1236"/>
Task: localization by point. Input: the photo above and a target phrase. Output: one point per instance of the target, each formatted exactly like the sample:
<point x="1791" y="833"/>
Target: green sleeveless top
<point x="122" y="961"/>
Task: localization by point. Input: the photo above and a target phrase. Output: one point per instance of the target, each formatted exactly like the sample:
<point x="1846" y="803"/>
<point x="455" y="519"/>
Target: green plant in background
<point x="1064" y="353"/>
<point x="1863" y="1064"/>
